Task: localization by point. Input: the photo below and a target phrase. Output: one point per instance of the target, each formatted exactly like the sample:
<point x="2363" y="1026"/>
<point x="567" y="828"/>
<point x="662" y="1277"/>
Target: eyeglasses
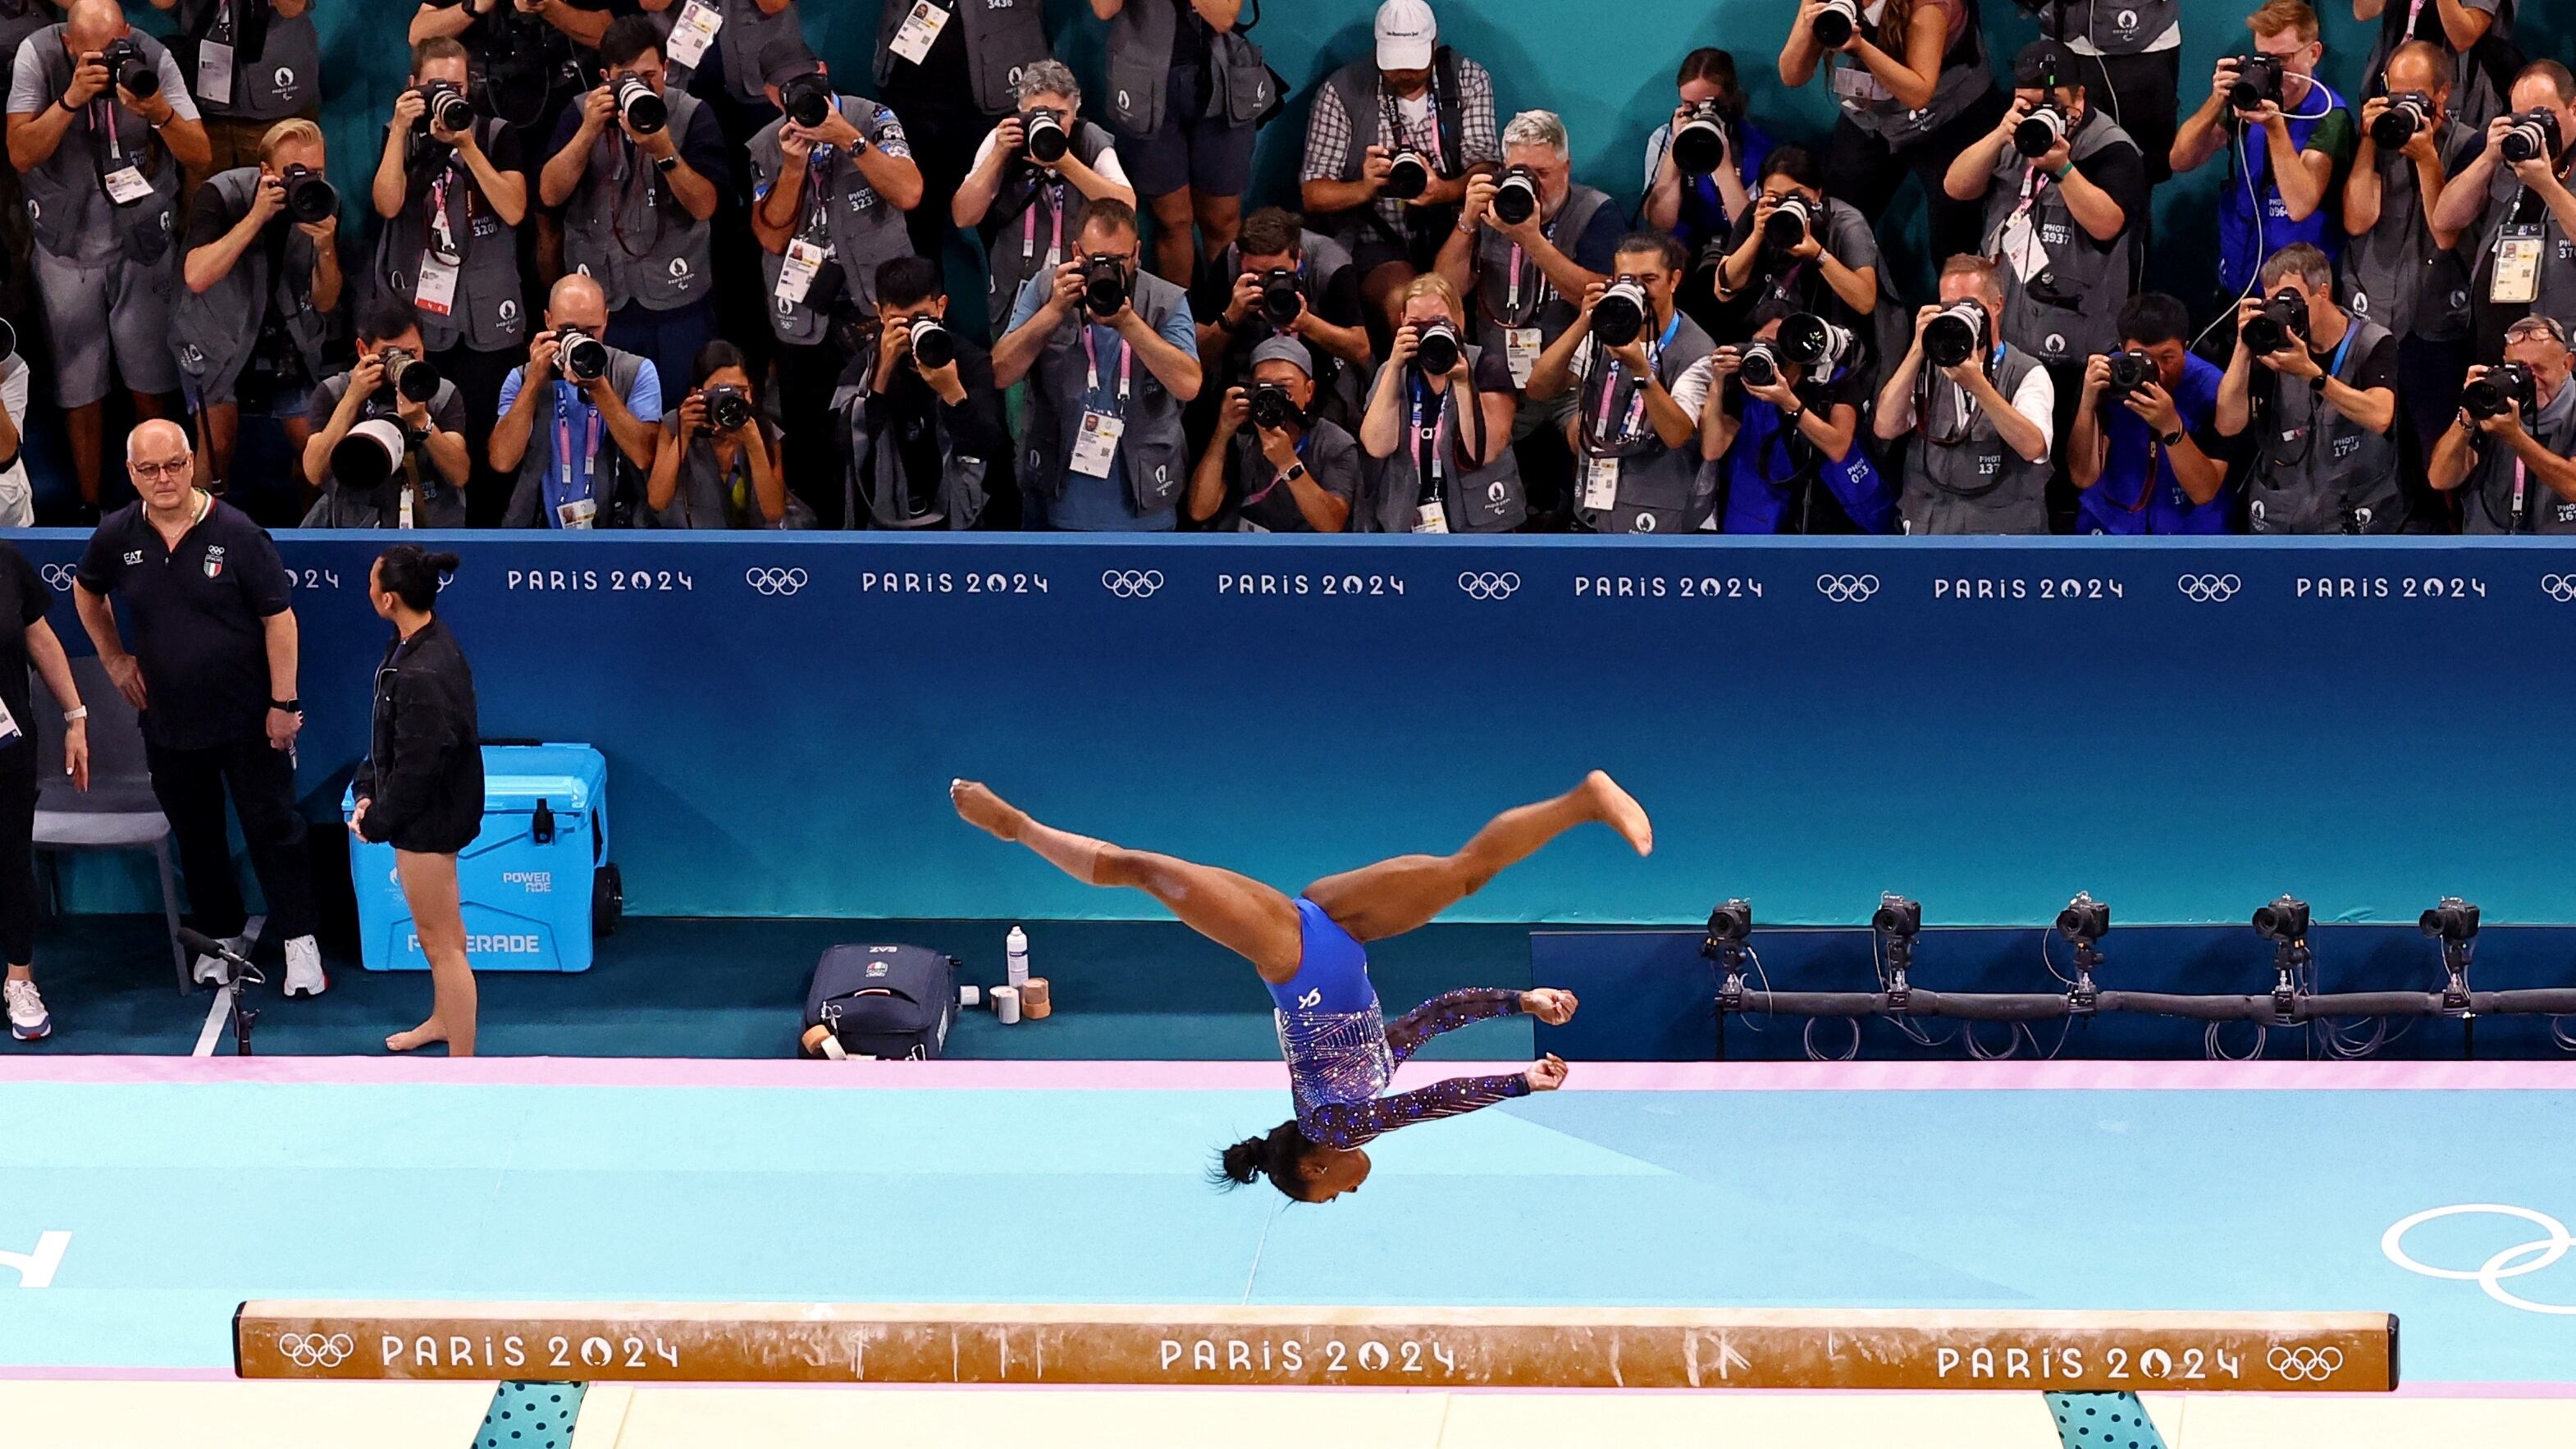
<point x="2534" y="327"/>
<point x="159" y="470"/>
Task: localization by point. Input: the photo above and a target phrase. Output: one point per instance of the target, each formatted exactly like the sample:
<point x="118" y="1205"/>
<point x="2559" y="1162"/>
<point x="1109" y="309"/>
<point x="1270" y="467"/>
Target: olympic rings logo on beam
<point x="1847" y="588"/>
<point x="2517" y="1261"/>
<point x="2560" y="587"/>
<point x="1131" y="583"/>
<point x="2298" y="1361"/>
<point x="58" y="576"/>
<point x="312" y="1350"/>
<point x="1489" y="586"/>
<point x="2209" y="588"/>
<point x="777" y="583"/>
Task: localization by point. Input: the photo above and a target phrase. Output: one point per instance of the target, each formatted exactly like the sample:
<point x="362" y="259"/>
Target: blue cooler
<point x="537" y="882"/>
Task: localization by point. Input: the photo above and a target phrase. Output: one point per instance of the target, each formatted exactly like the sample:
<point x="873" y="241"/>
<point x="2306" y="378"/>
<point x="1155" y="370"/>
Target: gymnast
<point x="1340" y="1049"/>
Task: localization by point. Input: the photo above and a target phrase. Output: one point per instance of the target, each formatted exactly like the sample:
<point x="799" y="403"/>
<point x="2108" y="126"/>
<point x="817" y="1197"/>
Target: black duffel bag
<point x="884" y="1001"/>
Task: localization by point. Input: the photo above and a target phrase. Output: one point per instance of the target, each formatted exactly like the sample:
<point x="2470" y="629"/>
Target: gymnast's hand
<point x="1546" y="1074"/>
<point x="1551" y="1004"/>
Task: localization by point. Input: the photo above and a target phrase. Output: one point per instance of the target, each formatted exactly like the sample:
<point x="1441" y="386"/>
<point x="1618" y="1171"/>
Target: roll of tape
<point x="970" y="996"/>
<point x="1034" y="1003"/>
<point x="1006" y="1004"/>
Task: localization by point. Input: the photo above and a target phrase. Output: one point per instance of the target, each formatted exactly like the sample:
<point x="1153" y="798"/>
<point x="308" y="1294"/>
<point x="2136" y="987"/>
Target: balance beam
<point x="1544" y="1348"/>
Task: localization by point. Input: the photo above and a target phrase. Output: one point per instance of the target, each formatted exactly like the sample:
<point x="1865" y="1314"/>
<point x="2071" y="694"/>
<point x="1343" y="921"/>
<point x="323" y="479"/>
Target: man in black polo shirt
<point x="213" y="672"/>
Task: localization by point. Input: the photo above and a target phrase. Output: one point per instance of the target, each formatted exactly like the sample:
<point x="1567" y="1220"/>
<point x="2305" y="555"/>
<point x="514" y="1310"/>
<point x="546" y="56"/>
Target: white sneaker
<point x="304" y="968"/>
<point x="209" y="970"/>
<point x="27" y="1018"/>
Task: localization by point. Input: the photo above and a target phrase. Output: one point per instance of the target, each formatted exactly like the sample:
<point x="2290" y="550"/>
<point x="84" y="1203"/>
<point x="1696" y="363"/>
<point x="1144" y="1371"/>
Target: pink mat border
<point x="1075" y="1076"/>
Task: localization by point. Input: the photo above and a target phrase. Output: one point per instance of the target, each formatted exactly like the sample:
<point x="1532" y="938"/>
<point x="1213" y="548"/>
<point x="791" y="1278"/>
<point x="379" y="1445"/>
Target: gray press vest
<point x="1331" y="455"/>
<point x="2126" y="27"/>
<point x="1489" y="500"/>
<point x="625" y="230"/>
<point x="487" y="314"/>
<point x="2480" y="76"/>
<point x="746" y="35"/>
<point x="65" y="197"/>
<point x="1041" y="201"/>
<point x="214" y="332"/>
<point x="1337" y="383"/>
<point x="874" y="477"/>
<point x="2318" y="471"/>
<point x="1156" y="454"/>
<point x="1003" y="38"/>
<point x="862" y="229"/>
<point x="615" y="480"/>
<point x="2071" y="309"/>
<point x="701" y="501"/>
<point x="1965" y="76"/>
<point x="436" y="503"/>
<point x="1139" y="65"/>
<point x="2487" y="507"/>
<point x="1540" y="306"/>
<point x="1659" y="487"/>
<point x="284" y="76"/>
<point x="2393" y="274"/>
<point x="2557" y="293"/>
<point x="1978" y="485"/>
<point x="1361" y="89"/>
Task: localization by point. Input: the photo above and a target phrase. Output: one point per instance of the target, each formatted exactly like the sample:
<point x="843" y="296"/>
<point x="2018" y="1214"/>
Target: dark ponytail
<point x="412" y="574"/>
<point x="1276" y="1156"/>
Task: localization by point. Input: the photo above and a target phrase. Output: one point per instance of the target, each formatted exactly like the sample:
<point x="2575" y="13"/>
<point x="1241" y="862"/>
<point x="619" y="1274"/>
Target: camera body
<point x="1104" y="285"/>
<point x="443" y="107"/>
<point x="2284" y="922"/>
<point x="2502" y="387"/>
<point x="1835" y="23"/>
<point x="1272" y="407"/>
<point x="2040" y="131"/>
<point x="128" y="69"/>
<point x="807" y="99"/>
<point x="2085" y="920"/>
<point x="1958" y="334"/>
<point x="1436" y="349"/>
<point x="727" y="408"/>
<point x="643" y="112"/>
<point x="1047" y="141"/>
<point x="933" y="346"/>
<point x="2452" y="919"/>
<point x="1408" y="174"/>
<point x="309" y="198"/>
<point x="2406" y="115"/>
<point x="2533" y="136"/>
<point x="1816" y="344"/>
<point x="1281" y="301"/>
<point x="410" y="378"/>
<point x="1699" y="142"/>
<point x="1516" y="195"/>
<point x="1897" y="916"/>
<point x="2258" y="79"/>
<point x="1620" y="317"/>
<point x="2130" y="371"/>
<point x="1731" y="924"/>
<point x="584" y="358"/>
<point x="1758" y="363"/>
<point x="2283" y="320"/>
<point x="1792" y="218"/>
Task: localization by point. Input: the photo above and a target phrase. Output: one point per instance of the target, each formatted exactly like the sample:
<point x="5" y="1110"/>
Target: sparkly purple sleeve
<point x="1348" y="1124"/>
<point x="1448" y="1011"/>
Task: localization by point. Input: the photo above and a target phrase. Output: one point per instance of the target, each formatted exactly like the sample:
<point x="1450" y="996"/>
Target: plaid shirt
<point x="1328" y="133"/>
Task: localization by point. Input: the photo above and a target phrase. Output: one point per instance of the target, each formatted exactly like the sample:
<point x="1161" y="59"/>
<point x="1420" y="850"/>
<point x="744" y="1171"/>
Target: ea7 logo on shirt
<point x="133" y="556"/>
<point x="214" y="560"/>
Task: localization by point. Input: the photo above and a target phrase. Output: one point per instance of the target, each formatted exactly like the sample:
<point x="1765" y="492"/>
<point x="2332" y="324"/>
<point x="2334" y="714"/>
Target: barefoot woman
<point x="1341" y="1052"/>
<point x="421" y="785"/>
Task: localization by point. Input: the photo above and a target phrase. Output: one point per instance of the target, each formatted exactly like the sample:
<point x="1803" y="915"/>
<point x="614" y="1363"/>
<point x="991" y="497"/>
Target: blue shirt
<point x="2122" y="502"/>
<point x="2240" y="250"/>
<point x="574" y="416"/>
<point x="1703" y="217"/>
<point x="1103" y="505"/>
<point x="1764" y="473"/>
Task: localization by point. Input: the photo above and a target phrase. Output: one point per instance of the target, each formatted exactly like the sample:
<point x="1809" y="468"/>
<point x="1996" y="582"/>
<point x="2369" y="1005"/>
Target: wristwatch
<point x="1295" y="471"/>
<point x="76" y="714"/>
<point x="2171" y="440"/>
<point x="667" y="164"/>
<point x="287" y="706"/>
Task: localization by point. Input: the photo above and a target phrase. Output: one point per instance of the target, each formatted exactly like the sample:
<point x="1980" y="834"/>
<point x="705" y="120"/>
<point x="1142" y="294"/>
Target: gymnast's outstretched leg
<point x="1237" y="912"/>
<point x="1395" y="896"/>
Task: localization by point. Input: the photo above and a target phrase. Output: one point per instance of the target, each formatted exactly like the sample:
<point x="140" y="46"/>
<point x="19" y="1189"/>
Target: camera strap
<point x="568" y="493"/>
<point x="1616" y="387"/>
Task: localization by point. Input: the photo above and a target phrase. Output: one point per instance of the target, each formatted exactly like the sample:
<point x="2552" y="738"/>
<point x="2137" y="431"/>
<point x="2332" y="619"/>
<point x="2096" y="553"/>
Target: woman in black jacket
<point x="421" y="786"/>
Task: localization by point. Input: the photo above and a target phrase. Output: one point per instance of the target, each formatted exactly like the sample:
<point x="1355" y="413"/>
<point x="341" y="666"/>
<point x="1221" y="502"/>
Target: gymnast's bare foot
<point x="420" y="1036"/>
<point x="1620" y="811"/>
<point x="986" y="811"/>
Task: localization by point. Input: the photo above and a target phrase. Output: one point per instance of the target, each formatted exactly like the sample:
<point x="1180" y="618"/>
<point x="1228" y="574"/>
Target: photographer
<point x="2474" y="38"/>
<point x="452" y="201"/>
<point x="17" y="492"/>
<point x="1915" y="86"/>
<point x="1236" y="297"/>
<point x="2136" y="452"/>
<point x="2061" y="224"/>
<point x="1439" y="426"/>
<point x="1414" y="100"/>
<point x="1112" y="357"/>
<point x="577" y="422"/>
<point x="828" y="201"/>
<point x="2517" y="217"/>
<point x="2312" y="424"/>
<point x="104" y="266"/>
<point x="924" y="436"/>
<point x="1978" y="434"/>
<point x="261" y="280"/>
<point x="2513" y="436"/>
<point x="1699" y="206"/>
<point x="1273" y="466"/>
<point x="718" y="465"/>
<point x="426" y="489"/>
<point x="2275" y="194"/>
<point x="728" y="67"/>
<point x="1799" y="250"/>
<point x="1185" y="89"/>
<point x="954" y="69"/>
<point x="2129" y="58"/>
<point x="254" y="63"/>
<point x="1780" y="452"/>
<point x="528" y="58"/>
<point x="639" y="170"/>
<point x="1638" y="392"/>
<point x="1037" y="198"/>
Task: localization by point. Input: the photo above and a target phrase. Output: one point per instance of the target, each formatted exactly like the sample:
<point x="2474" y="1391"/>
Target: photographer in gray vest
<point x="18" y="20"/>
<point x="955" y="66"/>
<point x="1639" y="373"/>
<point x="1976" y="414"/>
<point x="1798" y="250"/>
<point x="410" y="461"/>
<point x="259" y="284"/>
<point x="1439" y="426"/>
<point x="577" y="423"/>
<point x="718" y="464"/>
<point x="2129" y="59"/>
<point x="2473" y="37"/>
<point x="1281" y="280"/>
<point x="252" y="64"/>
<point x="2512" y="213"/>
<point x="1272" y="466"/>
<point x="99" y="164"/>
<point x="452" y="198"/>
<point x="1022" y="203"/>
<point x="639" y="170"/>
<point x="924" y="425"/>
<point x="2310" y="399"/>
<point x="1112" y="356"/>
<point x="829" y="193"/>
<point x="2511" y="440"/>
<point x="718" y="49"/>
<point x="1186" y="89"/>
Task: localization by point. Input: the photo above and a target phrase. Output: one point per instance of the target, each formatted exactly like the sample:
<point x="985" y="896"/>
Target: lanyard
<point x="1432" y="439"/>
<point x="1391" y="121"/>
<point x="1091" y="367"/>
<point x="2033" y="183"/>
<point x="563" y="445"/>
<point x="1054" y="191"/>
<point x="1277" y="477"/>
<point x="443" y="236"/>
<point x="818" y="210"/>
<point x="1633" y="426"/>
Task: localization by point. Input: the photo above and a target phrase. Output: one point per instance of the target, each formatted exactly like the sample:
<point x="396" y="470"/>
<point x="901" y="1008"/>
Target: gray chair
<point x="119" y="811"/>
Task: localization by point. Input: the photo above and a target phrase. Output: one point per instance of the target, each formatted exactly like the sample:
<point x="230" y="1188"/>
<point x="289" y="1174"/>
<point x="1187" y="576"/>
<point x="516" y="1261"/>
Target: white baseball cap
<point x="1405" y="32"/>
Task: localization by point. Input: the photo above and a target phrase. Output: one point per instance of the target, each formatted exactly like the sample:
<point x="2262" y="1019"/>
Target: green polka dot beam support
<point x="2103" y="1421"/>
<point x="536" y="1416"/>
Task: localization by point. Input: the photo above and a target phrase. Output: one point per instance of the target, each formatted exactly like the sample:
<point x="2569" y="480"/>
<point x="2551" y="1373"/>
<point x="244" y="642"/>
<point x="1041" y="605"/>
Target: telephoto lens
<point x="2505" y="386"/>
<point x="309" y="198"/>
<point x="444" y="108"/>
<point x="412" y="379"/>
<point x="727" y="408"/>
<point x="1435" y="349"/>
<point x="2258" y="79"/>
<point x="2130" y="371"/>
<point x="1280" y="299"/>
<point x="1759" y="364"/>
<point x="126" y="66"/>
<point x="2283" y="320"/>
<point x="1835" y="23"/>
<point x="1699" y="144"/>
<point x="1958" y="334"/>
<point x="1408" y="175"/>
<point x="2533" y="136"/>
<point x="807" y="99"/>
<point x="1812" y="342"/>
<point x="1047" y="141"/>
<point x="641" y="110"/>
<point x="369" y="453"/>
<point x="2404" y="116"/>
<point x="1272" y="407"/>
<point x="1792" y="217"/>
<point x="1516" y="196"/>
<point x="1620" y="316"/>
<point x="2039" y="132"/>
<point x="584" y="357"/>
<point x="1104" y="285"/>
<point x="932" y="347"/>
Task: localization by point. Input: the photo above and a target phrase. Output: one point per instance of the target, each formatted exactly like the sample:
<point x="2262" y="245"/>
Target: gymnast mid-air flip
<point x="1341" y="1051"/>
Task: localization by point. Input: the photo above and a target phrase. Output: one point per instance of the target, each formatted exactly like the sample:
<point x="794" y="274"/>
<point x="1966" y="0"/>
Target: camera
<point x="2085" y="920"/>
<point x="2283" y="320"/>
<point x="1814" y="343"/>
<point x="2130" y="371"/>
<point x="727" y="408"/>
<point x="1731" y="924"/>
<point x="637" y="106"/>
<point x="1273" y="408"/>
<point x="2406" y="114"/>
<point x="584" y="358"/>
<point x="1835" y="23"/>
<point x="309" y="198"/>
<point x="2533" y="136"/>
<point x="2503" y="386"/>
<point x="1104" y="285"/>
<point x="1620" y="316"/>
<point x="1280" y="299"/>
<point x="932" y="346"/>
<point x="1699" y="143"/>
<point x="1897" y="916"/>
<point x="126" y="66"/>
<point x="2452" y="919"/>
<point x="410" y="378"/>
<point x="807" y="99"/>
<point x="1408" y="175"/>
<point x="369" y="453"/>
<point x="1792" y="217"/>
<point x="1435" y="349"/>
<point x="2258" y="79"/>
<point x="2283" y="922"/>
<point x="1759" y="364"/>
<point x="443" y="107"/>
<point x="2040" y="131"/>
<point x="1516" y="196"/>
<point x="1047" y="141"/>
<point x="1958" y="334"/>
